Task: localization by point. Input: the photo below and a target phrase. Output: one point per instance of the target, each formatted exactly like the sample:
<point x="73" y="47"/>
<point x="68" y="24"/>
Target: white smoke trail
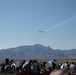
<point x="62" y="23"/>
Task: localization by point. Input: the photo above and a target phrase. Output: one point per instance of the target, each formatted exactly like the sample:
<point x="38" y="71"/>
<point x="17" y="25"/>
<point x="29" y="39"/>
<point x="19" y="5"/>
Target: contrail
<point x="62" y="23"/>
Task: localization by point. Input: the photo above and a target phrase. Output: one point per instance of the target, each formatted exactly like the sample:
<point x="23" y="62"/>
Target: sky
<point x="21" y="21"/>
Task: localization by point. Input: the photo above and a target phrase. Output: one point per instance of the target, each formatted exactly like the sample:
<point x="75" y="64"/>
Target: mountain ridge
<point x="36" y="51"/>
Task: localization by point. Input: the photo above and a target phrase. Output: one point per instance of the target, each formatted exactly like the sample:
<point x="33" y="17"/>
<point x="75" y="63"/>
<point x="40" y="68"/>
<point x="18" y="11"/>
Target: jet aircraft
<point x="41" y="31"/>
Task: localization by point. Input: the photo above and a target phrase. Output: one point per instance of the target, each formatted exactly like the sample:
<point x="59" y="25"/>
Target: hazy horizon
<point x="36" y="44"/>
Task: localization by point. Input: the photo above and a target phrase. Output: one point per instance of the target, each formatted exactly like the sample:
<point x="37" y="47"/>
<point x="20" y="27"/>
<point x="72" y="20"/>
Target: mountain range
<point x="37" y="51"/>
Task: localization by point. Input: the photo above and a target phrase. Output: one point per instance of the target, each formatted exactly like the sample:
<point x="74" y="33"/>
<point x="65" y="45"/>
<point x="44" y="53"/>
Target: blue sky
<point x="20" y="21"/>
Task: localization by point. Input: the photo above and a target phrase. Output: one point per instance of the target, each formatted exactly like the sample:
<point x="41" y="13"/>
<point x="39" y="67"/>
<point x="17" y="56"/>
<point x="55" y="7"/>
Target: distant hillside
<point x="36" y="52"/>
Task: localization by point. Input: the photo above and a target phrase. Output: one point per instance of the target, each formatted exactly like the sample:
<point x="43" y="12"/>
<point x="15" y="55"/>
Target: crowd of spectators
<point x="34" y="67"/>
